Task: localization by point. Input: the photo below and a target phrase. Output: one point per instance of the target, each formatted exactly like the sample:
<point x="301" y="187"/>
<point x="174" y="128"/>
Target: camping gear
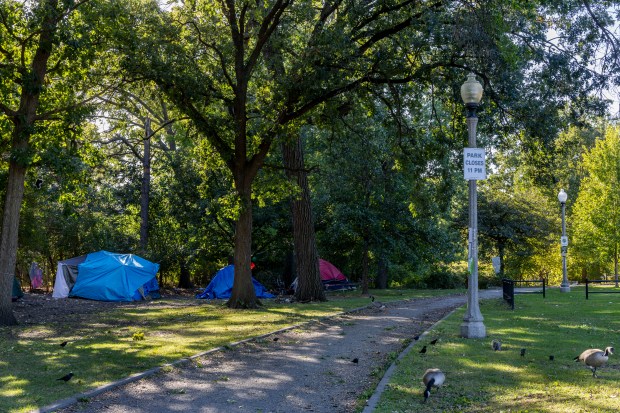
<point x="17" y="290"/>
<point x="332" y="278"/>
<point x="36" y="276"/>
<point x="222" y="283"/>
<point x="107" y="276"/>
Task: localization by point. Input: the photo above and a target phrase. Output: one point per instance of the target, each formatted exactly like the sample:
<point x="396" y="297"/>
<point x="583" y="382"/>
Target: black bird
<point x="64" y="343"/>
<point x="416" y="338"/>
<point x="522" y="352"/>
<point x="276" y="339"/>
<point x="497" y="345"/>
<point x="372" y="297"/>
<point x="66" y="378"/>
<point x="355" y="360"/>
<point x="423" y="350"/>
<point x="38" y="183"/>
<point x="551" y="358"/>
<point x="434" y="341"/>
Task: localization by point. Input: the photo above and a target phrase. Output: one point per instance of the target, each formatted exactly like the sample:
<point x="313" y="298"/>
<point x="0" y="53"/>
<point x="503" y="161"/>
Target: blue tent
<point x="107" y="276"/>
<point x="221" y="285"/>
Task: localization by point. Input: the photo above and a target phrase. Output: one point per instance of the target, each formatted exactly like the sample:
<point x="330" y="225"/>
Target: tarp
<point x="107" y="276"/>
<point x="222" y="283"/>
<point x="17" y="290"/>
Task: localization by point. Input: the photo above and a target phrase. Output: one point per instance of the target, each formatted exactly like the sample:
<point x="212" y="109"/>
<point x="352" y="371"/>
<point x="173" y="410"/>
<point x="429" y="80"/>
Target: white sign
<point x="474" y="167"/>
<point x="496" y="264"/>
<point x="564" y="241"/>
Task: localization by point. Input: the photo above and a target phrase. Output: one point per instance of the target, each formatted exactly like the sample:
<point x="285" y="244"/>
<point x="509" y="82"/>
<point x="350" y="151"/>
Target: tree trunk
<point x="616" y="265"/>
<point x="365" y="263"/>
<point x="9" y="239"/>
<point x="243" y="294"/>
<point x="146" y="187"/>
<point x="185" y="276"/>
<point x="382" y="273"/>
<point x="309" y="285"/>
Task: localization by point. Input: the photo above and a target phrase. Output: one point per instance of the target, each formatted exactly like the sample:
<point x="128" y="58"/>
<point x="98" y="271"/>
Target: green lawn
<point x="481" y="380"/>
<point x="111" y="347"/>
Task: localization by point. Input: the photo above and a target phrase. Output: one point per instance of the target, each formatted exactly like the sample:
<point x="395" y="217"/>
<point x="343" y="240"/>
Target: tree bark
<point x="382" y="273"/>
<point x="309" y="285"/>
<point x="145" y="188"/>
<point x="243" y="294"/>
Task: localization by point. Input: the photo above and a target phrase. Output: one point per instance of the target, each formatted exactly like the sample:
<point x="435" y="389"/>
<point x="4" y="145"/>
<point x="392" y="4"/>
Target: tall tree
<point x="596" y="213"/>
<point x="46" y="47"/>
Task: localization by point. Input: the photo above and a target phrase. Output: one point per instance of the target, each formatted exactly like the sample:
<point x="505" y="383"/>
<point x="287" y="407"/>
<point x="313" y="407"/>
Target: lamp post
<point x="472" y="327"/>
<point x="565" y="286"/>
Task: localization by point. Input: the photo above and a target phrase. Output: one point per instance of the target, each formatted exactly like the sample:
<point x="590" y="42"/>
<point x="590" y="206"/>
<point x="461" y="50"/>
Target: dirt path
<point x="307" y="369"/>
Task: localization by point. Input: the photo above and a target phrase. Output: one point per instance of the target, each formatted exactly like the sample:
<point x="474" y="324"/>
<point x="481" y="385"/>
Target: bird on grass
<point x="276" y="338"/>
<point x="423" y="350"/>
<point x="64" y="343"/>
<point x="595" y="358"/>
<point x="355" y="360"/>
<point x="66" y="377"/>
<point x="432" y="378"/>
<point x="522" y="352"/>
<point x="496" y="345"/>
<point x="434" y="341"/>
<point x="551" y="357"/>
<point x="416" y="338"/>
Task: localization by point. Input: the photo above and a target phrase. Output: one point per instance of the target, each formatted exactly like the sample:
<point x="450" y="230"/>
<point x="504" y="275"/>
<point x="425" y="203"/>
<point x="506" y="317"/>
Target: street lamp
<point x="565" y="286"/>
<point x="472" y="327"/>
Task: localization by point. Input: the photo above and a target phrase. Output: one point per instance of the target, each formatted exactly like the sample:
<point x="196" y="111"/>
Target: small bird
<point x="276" y="339"/>
<point x="372" y="297"/>
<point x="595" y="358"/>
<point x="434" y="341"/>
<point x="496" y="344"/>
<point x="416" y="338"/>
<point x="432" y="378"/>
<point x="355" y="360"/>
<point x="551" y="357"/>
<point x="423" y="350"/>
<point x="64" y="343"/>
<point x="522" y="352"/>
<point x="66" y="378"/>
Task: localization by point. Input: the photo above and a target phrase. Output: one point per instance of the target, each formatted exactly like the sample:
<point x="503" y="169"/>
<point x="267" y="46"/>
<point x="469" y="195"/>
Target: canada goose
<point x="595" y="358"/>
<point x="432" y="378"/>
<point x="496" y="344"/>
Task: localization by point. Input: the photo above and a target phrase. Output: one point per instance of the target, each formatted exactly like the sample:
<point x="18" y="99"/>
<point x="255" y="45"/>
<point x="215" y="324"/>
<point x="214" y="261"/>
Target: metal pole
<point x="565" y="286"/>
<point x="473" y="326"/>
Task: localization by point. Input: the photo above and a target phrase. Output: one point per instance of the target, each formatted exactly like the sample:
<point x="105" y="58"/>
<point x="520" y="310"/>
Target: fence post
<point x="543" y="283"/>
<point x="586" y="288"/>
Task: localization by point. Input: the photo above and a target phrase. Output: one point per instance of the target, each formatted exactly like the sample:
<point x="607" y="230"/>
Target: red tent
<point x="329" y="272"/>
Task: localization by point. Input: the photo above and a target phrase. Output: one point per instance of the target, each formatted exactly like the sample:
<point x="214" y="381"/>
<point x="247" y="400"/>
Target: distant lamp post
<point x="565" y="286"/>
<point x="473" y="326"/>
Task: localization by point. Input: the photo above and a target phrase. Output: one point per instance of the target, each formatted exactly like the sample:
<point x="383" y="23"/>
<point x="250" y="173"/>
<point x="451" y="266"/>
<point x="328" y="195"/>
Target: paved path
<point x="305" y="369"/>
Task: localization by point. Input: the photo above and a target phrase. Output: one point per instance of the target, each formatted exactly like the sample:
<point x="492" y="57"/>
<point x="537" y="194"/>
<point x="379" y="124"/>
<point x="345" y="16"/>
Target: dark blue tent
<point x="221" y="285"/>
<point x="107" y="276"/>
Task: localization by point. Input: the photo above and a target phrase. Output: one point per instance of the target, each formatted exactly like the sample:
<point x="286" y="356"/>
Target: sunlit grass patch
<point x="115" y="344"/>
<point x="479" y="379"/>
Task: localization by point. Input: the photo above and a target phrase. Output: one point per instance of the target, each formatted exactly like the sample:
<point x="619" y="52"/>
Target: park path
<point x="310" y="368"/>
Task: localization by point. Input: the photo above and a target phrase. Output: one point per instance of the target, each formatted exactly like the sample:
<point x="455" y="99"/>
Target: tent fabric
<point x="17" y="290"/>
<point x="331" y="277"/>
<point x="66" y="274"/>
<point x="222" y="283"/>
<point x="107" y="276"/>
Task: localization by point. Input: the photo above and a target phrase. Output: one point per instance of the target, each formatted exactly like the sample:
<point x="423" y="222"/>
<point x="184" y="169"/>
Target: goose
<point x="595" y="358"/>
<point x="432" y="378"/>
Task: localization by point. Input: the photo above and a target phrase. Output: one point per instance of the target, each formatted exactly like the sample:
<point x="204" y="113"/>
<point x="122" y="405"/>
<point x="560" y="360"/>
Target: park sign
<point x="474" y="164"/>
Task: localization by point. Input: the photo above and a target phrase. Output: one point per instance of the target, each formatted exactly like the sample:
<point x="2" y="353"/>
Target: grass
<point x="481" y="380"/>
<point x="118" y="343"/>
